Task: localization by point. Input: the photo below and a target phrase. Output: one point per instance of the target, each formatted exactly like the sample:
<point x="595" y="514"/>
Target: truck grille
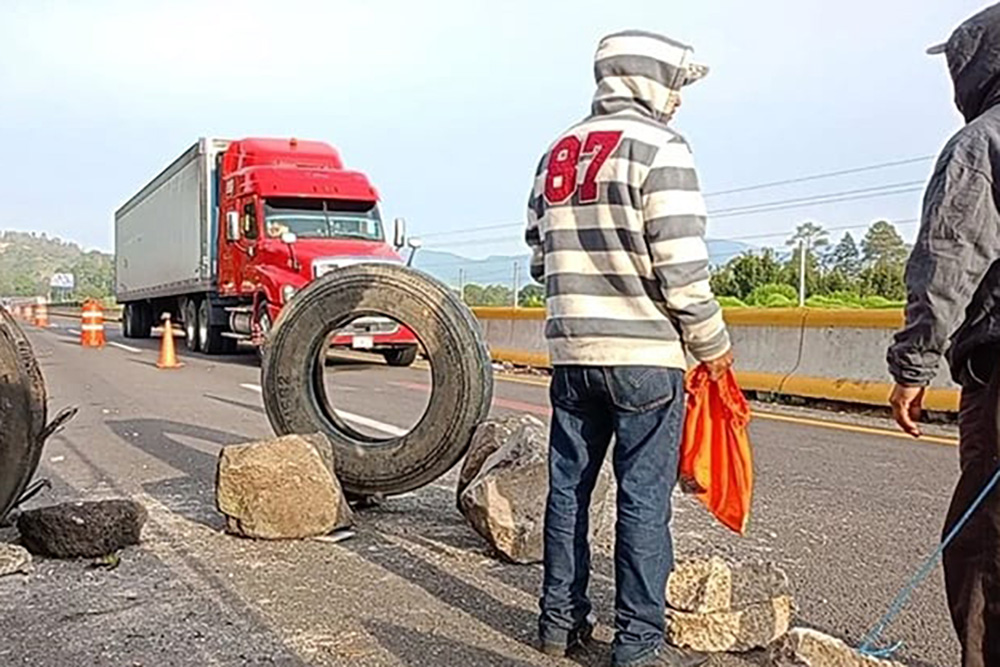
<point x="321" y="267"/>
<point x="371" y="325"/>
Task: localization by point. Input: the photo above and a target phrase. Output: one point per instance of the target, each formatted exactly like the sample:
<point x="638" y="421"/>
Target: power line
<point x="805" y="200"/>
<point x="818" y="202"/>
<point x="764" y="207"/>
<point x="748" y="188"/>
<point x="820" y="176"/>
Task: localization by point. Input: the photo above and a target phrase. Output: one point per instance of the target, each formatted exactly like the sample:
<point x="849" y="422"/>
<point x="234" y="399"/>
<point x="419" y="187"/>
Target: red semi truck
<point x="231" y="230"/>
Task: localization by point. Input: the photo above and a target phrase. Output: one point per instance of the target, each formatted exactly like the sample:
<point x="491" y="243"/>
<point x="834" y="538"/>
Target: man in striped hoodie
<point x="616" y="223"/>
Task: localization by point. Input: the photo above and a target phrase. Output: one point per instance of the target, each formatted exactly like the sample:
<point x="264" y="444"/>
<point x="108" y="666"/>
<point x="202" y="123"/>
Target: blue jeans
<point x="643" y="408"/>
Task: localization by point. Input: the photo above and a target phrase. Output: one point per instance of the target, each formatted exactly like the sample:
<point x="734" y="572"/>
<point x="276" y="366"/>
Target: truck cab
<point x="283" y="212"/>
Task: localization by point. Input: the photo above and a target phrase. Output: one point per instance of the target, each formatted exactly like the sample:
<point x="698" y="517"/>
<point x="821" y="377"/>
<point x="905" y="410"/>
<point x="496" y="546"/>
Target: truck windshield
<point x="323" y="219"/>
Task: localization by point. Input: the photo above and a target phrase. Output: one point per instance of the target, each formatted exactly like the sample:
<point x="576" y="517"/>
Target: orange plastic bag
<point x="716" y="461"/>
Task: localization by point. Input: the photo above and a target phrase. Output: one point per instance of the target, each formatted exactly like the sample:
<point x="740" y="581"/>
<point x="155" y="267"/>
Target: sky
<point x="447" y="106"/>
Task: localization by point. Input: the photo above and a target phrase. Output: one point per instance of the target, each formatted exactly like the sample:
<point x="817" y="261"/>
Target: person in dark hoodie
<point x="953" y="281"/>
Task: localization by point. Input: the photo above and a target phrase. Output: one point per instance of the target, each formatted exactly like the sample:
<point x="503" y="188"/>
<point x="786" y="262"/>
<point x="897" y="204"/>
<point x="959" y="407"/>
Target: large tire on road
<point x="22" y="412"/>
<point x="295" y="396"/>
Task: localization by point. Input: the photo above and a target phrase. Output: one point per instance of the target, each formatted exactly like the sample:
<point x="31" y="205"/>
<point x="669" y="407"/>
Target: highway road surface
<point x="848" y="511"/>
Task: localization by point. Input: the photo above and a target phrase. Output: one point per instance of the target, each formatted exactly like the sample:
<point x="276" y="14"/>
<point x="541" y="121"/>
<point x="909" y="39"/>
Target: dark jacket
<point x="953" y="276"/>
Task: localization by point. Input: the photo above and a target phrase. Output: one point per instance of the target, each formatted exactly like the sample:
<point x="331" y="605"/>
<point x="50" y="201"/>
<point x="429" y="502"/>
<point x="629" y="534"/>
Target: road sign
<point x="63" y="281"/>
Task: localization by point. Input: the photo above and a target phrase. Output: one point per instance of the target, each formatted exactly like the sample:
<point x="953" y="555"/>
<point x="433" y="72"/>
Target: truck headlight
<point x="287" y="292"/>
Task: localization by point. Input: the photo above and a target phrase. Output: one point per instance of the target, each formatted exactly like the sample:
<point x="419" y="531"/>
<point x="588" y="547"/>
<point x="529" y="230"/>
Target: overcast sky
<point x="448" y="105"/>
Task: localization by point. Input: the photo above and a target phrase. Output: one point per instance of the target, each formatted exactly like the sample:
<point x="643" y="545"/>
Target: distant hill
<point x="499" y="269"/>
<point x="28" y="261"/>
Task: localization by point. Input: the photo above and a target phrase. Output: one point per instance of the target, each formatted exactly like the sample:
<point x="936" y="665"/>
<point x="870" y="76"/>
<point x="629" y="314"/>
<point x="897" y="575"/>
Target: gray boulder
<point x="809" y="648"/>
<point x="504" y="501"/>
<point x="83" y="529"/>
<point x="488" y="438"/>
<point x="283" y="488"/>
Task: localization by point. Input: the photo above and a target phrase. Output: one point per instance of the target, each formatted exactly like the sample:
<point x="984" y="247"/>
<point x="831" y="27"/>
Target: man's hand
<point x="907" y="406"/>
<point x="718" y="367"/>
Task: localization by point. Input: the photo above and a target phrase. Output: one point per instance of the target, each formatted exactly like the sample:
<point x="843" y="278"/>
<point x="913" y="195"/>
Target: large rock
<point x="488" y="438"/>
<point x="82" y="530"/>
<point x="739" y="630"/>
<point x="284" y="488"/>
<point x="710" y="585"/>
<point x="808" y="648"/>
<point x="14" y="560"/>
<point x="504" y="500"/>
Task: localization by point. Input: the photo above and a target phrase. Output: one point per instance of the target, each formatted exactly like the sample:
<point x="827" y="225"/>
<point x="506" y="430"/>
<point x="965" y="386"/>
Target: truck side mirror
<point x="232" y="226"/>
<point x="288" y="238"/>
<point x="400" y="233"/>
<point x="415" y="243"/>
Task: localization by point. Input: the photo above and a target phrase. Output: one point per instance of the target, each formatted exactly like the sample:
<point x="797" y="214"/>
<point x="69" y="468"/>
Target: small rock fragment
<point x="802" y="647"/>
<point x="283" y="488"/>
<point x="706" y="586"/>
<point x="754" y="626"/>
<point x="82" y="530"/>
<point x="14" y="560"/>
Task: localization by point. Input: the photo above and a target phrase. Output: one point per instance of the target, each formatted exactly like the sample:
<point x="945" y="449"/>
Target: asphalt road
<point x="848" y="513"/>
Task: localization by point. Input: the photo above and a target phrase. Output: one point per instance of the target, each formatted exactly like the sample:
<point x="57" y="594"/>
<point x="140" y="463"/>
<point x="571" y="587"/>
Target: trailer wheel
<point x="462" y="387"/>
<point x="191" y="324"/>
<point x="401" y="356"/>
<point x="22" y="412"/>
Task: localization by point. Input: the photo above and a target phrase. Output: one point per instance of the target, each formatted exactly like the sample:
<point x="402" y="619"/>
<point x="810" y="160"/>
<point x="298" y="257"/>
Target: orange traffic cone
<point x="92" y="325"/>
<point x="168" y="355"/>
<point x="42" y="313"/>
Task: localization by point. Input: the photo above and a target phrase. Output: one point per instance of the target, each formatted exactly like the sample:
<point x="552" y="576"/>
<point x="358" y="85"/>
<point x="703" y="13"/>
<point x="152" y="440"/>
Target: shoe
<point x="578" y="637"/>
<point x="671" y="656"/>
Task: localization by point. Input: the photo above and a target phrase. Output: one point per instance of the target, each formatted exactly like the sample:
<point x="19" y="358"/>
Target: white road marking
<point x="75" y="332"/>
<point x="351" y="417"/>
<point x="122" y="346"/>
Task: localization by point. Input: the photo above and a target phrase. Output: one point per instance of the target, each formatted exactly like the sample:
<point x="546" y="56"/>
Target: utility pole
<point x="461" y="284"/>
<point x="803" y="251"/>
<point x="517" y="281"/>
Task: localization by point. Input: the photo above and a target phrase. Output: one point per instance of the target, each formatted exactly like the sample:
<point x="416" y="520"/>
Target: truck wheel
<point x="462" y="389"/>
<point x="401" y="356"/>
<point x="142" y="320"/>
<point x="22" y="413"/>
<point x="128" y="315"/>
<point x="191" y="324"/>
<point x="210" y="338"/>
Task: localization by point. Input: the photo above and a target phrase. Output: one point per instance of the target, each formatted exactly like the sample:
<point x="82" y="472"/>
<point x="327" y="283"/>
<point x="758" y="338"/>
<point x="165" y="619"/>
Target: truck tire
<point x="462" y="390"/>
<point x="401" y="356"/>
<point x="191" y="324"/>
<point x="22" y="413"/>
<point x="137" y="320"/>
<point x="210" y="338"/>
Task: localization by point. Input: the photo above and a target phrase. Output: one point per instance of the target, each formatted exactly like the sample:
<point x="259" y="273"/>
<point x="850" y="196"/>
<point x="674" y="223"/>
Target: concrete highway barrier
<point x="836" y="355"/>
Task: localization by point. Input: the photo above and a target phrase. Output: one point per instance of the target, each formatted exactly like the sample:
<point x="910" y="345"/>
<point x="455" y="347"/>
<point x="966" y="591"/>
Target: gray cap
<point x="938" y="49"/>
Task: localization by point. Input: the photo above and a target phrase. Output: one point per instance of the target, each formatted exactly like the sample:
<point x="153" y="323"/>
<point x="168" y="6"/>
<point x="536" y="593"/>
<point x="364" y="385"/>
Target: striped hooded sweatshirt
<point x="616" y="222"/>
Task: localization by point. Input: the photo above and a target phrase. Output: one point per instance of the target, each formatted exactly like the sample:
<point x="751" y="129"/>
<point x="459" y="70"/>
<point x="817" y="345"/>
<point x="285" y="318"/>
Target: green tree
<point x="883" y="245"/>
<point x="744" y="273"/>
<point x="812" y="234"/>
<point x="531" y="296"/>
<point x="845" y="257"/>
<point x="885" y="280"/>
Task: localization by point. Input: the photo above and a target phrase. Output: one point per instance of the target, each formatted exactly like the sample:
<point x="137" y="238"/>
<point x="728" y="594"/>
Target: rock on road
<point x="849" y="515"/>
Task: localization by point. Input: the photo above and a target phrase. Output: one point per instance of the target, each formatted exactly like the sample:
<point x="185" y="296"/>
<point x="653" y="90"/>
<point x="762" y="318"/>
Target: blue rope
<point x="868" y="645"/>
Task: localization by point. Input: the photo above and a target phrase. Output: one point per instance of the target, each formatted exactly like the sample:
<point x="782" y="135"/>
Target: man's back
<point x="617" y="222"/>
